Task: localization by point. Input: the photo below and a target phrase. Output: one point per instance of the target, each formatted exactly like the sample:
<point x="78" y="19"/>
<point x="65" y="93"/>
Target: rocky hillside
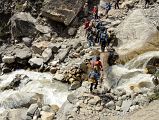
<point x="47" y="36"/>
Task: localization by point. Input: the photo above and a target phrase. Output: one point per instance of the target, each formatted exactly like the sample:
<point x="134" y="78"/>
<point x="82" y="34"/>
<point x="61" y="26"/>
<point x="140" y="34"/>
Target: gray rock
<point x="62" y="55"/>
<point x="17" y="114"/>
<point x="47" y="54"/>
<point x="23" y="24"/>
<point x="8" y="59"/>
<point x="72" y="31"/>
<point x="76" y="45"/>
<point x="28" y="118"/>
<point x="36" y="62"/>
<point x="70" y="9"/>
<point x="32" y="109"/>
<point x="94" y="101"/>
<point x="126" y="105"/>
<point x="23" y="53"/>
<point x="119" y="103"/>
<point x="71" y="98"/>
<point x="27" y="41"/>
<point x="115" y="23"/>
<point x="59" y="77"/>
<point x="111" y="105"/>
<point x="43" y="29"/>
<point x="75" y="85"/>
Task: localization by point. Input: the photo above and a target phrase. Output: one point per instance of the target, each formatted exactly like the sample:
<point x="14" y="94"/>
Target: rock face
<point x="137" y="33"/>
<point x="23" y="24"/>
<point x="62" y="10"/>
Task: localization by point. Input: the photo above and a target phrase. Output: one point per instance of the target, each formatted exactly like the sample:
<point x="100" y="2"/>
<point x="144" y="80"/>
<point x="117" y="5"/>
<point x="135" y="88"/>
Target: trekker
<point x="116" y="4"/>
<point x="86" y="25"/>
<point x="98" y="28"/>
<point x="103" y="39"/>
<point x="94" y="77"/>
<point x="95" y="12"/>
<point x="107" y="8"/>
<point x="97" y="63"/>
<point x="90" y="37"/>
<point x="85" y="9"/>
<point x="147" y="3"/>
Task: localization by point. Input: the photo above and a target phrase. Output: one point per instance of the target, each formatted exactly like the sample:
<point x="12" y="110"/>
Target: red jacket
<point x="86" y="24"/>
<point x="95" y="10"/>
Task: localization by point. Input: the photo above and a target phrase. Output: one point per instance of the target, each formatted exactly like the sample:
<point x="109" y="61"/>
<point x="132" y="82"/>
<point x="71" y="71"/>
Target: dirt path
<point x="151" y="112"/>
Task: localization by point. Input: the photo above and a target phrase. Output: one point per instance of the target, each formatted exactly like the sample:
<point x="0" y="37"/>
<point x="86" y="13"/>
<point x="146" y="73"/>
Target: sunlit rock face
<point x="62" y="10"/>
<point x="138" y="34"/>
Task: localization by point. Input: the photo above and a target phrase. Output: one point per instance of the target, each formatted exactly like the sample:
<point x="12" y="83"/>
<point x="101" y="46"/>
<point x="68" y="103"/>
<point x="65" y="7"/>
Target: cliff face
<point x="62" y="10"/>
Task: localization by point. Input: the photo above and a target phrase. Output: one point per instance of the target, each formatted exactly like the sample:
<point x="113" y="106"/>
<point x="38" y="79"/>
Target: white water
<point x="132" y="73"/>
<point x="53" y="92"/>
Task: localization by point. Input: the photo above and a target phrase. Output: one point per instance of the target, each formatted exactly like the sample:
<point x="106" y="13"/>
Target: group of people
<point x="96" y="32"/>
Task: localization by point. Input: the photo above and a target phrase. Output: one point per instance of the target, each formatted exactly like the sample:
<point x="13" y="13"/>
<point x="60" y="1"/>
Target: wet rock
<point x="72" y="31"/>
<point x="23" y="24"/>
<point x="36" y="62"/>
<point x="59" y="77"/>
<point x="32" y="109"/>
<point x="47" y="115"/>
<point x="62" y="11"/>
<point x="8" y="59"/>
<point x="27" y="41"/>
<point x="47" y="54"/>
<point x="75" y="85"/>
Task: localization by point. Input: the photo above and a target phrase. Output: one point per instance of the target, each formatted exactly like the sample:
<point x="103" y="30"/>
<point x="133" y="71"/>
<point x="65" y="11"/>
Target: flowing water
<point x="53" y="92"/>
<point x="132" y="73"/>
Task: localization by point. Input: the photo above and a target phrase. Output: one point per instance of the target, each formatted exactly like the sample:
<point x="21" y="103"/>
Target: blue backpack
<point x="103" y="36"/>
<point x="108" y="6"/>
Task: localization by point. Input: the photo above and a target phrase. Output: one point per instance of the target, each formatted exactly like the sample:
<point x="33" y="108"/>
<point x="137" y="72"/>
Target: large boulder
<point x="23" y="24"/>
<point x="137" y="34"/>
<point x="62" y="10"/>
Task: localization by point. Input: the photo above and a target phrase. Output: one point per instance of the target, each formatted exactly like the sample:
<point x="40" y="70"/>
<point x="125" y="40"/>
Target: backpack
<point x="108" y="6"/>
<point x="89" y="34"/>
<point x="103" y="36"/>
